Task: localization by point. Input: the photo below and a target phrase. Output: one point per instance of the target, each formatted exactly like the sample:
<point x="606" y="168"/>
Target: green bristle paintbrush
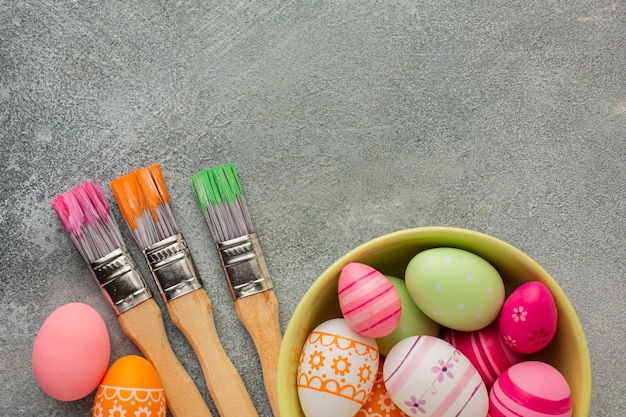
<point x="220" y="196"/>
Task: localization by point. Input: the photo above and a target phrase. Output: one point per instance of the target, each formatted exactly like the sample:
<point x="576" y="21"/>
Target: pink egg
<point x="426" y="376"/>
<point x="486" y="350"/>
<point x="528" y="319"/>
<point x="530" y="389"/>
<point x="368" y="300"/>
<point x="71" y="352"/>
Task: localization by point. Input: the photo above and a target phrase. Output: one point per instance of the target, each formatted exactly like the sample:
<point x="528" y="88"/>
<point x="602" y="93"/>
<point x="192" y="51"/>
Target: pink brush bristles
<point x="69" y="212"/>
<point x="86" y="216"/>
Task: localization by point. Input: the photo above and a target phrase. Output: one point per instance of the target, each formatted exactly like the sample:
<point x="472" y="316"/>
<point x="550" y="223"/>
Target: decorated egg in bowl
<point x="336" y="371"/>
<point x="427" y="376"/>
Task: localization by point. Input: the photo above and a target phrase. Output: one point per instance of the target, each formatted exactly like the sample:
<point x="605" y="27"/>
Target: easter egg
<point x="368" y="301"/>
<point x="413" y="322"/>
<point x="427" y="376"/>
<point x="131" y="387"/>
<point x="486" y="350"/>
<point x="454" y="287"/>
<point x="530" y="389"/>
<point x="528" y="319"/>
<point x="337" y="370"/>
<point x="71" y="352"/>
<point x="378" y="403"/>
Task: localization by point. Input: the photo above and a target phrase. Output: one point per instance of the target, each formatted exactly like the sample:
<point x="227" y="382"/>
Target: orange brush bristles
<point x="152" y="187"/>
<point x="157" y="176"/>
<point x="143" y="200"/>
<point x="128" y="196"/>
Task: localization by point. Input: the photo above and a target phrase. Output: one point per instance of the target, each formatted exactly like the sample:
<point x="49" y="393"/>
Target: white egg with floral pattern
<point x="426" y="376"/>
<point x="337" y="370"/>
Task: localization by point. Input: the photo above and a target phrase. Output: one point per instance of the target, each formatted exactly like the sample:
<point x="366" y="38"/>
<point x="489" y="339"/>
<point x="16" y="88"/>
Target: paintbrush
<point x="220" y="196"/>
<point x="144" y="202"/>
<point x="87" y="218"/>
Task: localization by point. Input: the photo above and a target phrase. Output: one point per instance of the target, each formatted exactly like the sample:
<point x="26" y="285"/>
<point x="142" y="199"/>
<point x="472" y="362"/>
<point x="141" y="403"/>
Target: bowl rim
<point x="582" y="404"/>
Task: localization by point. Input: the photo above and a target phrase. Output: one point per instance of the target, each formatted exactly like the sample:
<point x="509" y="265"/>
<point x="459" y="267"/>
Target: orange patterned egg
<point x="336" y="371"/>
<point x="130" y="388"/>
<point x="379" y="403"/>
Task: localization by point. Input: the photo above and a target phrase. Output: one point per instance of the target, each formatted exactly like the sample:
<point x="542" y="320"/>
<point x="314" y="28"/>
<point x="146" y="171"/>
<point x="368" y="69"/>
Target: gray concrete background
<point x="347" y="120"/>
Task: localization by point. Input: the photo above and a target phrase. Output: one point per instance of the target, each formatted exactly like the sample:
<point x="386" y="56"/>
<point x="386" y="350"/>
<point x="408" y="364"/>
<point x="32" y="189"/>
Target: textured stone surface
<point x="346" y="120"/>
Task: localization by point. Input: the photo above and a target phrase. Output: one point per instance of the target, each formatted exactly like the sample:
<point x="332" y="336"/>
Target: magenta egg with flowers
<point x="528" y="319"/>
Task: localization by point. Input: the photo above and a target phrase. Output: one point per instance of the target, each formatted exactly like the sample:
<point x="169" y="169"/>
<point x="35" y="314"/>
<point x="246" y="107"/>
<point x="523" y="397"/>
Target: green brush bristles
<point x="220" y="197"/>
<point x="203" y="187"/>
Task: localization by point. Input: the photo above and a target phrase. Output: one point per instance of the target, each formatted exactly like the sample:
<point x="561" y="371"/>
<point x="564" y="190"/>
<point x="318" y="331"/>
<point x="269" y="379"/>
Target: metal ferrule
<point x="244" y="266"/>
<point x="172" y="267"/>
<point x="120" y="280"/>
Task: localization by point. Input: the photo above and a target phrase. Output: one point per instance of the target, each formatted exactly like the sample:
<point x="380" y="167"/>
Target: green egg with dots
<point x="456" y="288"/>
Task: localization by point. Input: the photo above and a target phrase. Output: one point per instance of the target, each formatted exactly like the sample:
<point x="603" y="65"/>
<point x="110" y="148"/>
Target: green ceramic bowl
<point x="390" y="254"/>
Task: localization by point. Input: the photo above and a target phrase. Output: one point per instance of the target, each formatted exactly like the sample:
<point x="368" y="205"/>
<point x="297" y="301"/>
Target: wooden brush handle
<point x="193" y="315"/>
<point x="259" y="315"/>
<point x="143" y="324"/>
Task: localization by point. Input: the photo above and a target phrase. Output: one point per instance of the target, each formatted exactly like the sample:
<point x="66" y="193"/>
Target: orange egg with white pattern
<point x="379" y="403"/>
<point x="130" y="388"/>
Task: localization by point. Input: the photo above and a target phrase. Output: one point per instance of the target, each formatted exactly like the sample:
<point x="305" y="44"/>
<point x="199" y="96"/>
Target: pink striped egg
<point x="368" y="300"/>
<point x="528" y="319"/>
<point x="530" y="389"/>
<point x="427" y="376"/>
<point x="486" y="350"/>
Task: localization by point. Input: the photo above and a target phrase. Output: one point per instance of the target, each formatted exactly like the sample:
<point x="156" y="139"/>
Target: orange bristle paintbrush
<point x="87" y="218"/>
<point x="144" y="202"/>
<point x="221" y="200"/>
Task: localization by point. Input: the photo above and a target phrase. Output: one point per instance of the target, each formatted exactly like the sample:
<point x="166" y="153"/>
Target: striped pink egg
<point x="486" y="350"/>
<point x="426" y="376"/>
<point x="530" y="389"/>
<point x="368" y="300"/>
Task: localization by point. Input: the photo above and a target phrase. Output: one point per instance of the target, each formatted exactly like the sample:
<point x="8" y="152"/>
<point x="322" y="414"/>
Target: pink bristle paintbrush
<point x="144" y="202"/>
<point x="221" y="200"/>
<point x="87" y="218"/>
